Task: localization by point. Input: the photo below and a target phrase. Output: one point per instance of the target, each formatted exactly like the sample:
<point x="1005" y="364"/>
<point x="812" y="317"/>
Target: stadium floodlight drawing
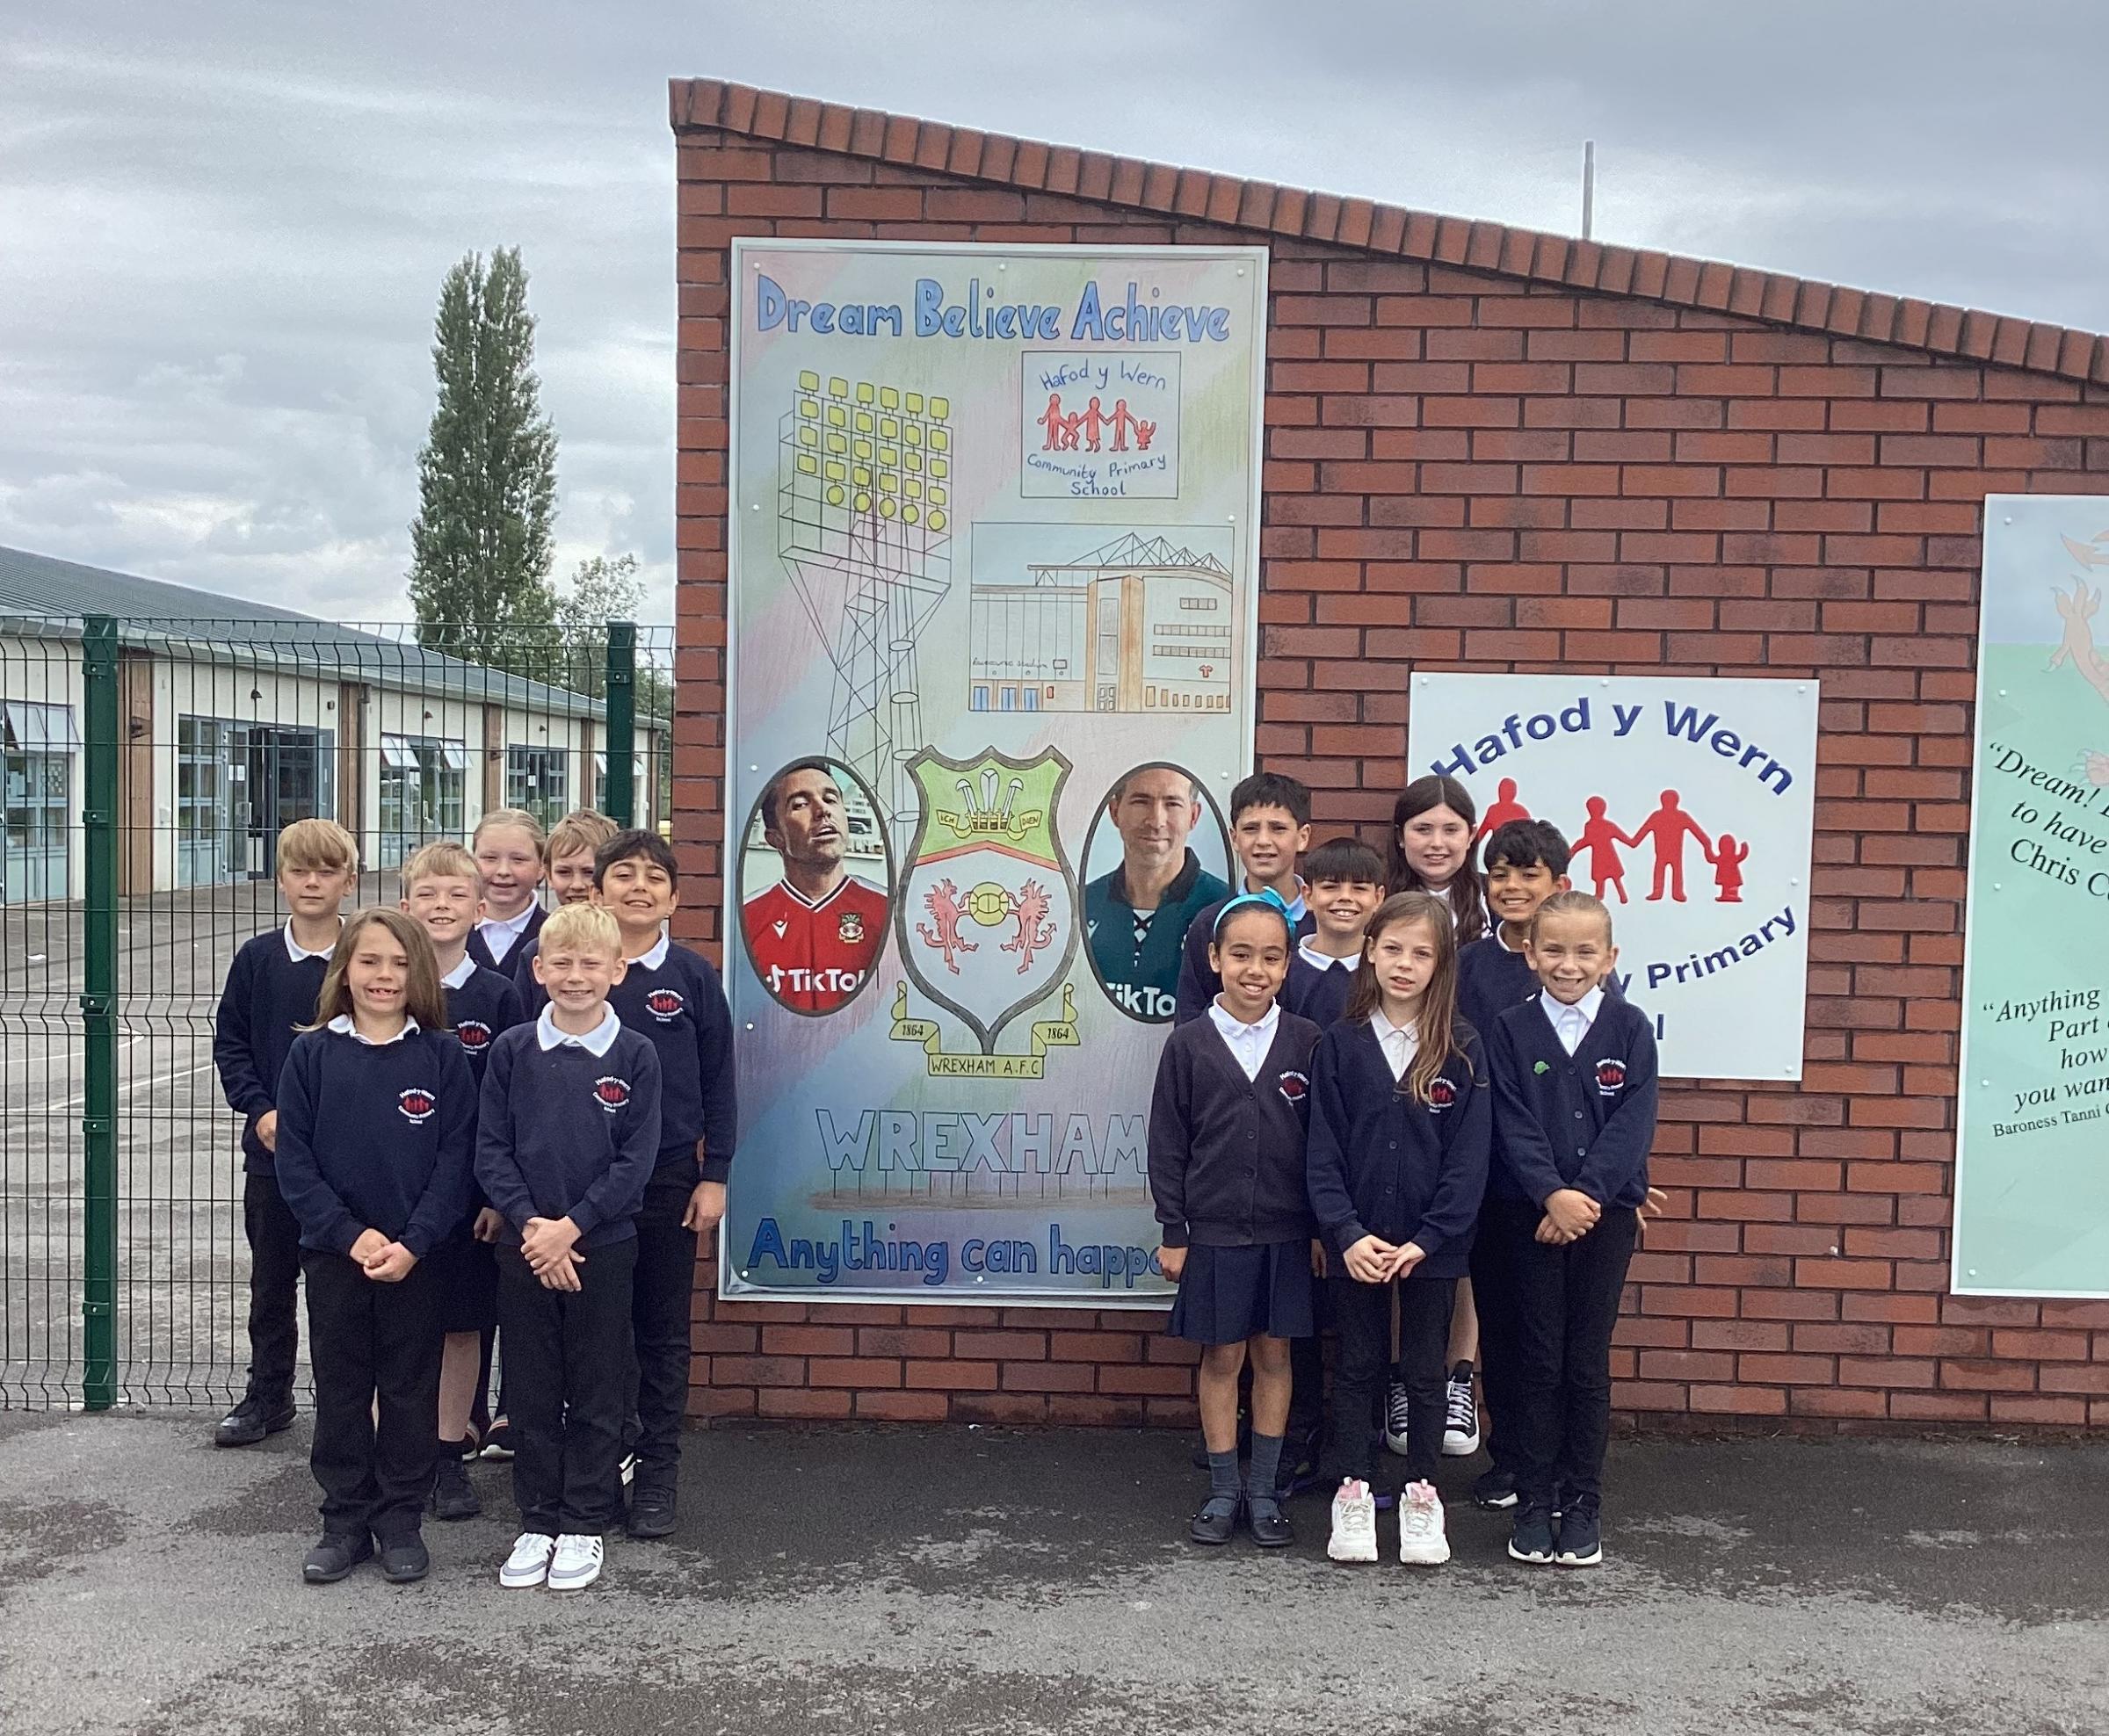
<point x="864" y="516"/>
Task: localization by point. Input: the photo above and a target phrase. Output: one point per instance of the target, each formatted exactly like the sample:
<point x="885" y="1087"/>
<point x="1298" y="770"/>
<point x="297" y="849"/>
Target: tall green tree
<point x="487" y="477"/>
<point x="601" y="590"/>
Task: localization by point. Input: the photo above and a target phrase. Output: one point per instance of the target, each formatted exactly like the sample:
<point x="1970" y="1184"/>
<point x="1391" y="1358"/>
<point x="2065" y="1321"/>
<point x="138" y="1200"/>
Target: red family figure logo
<point x="1666" y="830"/>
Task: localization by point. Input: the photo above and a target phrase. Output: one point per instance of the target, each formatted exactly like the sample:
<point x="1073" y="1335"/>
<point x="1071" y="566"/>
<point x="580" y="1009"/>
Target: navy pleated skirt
<point x="1231" y="1294"/>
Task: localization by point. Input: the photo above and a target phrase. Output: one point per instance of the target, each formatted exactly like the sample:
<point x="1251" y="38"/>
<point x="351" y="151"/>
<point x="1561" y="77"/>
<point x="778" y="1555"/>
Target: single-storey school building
<point x="1491" y="450"/>
<point x="239" y="717"/>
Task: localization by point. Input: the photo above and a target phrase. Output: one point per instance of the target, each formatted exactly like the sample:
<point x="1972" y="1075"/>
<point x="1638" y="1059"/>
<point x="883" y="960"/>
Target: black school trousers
<point x="659" y="1308"/>
<point x="1506" y="1228"/>
<point x="1362" y="1317"/>
<point x="274" y="1275"/>
<point x="375" y="1351"/>
<point x="567" y="1358"/>
<point x="1567" y="1306"/>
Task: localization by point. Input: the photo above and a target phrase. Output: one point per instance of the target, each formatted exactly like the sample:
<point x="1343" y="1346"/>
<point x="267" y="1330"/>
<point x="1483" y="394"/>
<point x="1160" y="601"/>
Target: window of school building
<point x="423" y="780"/>
<point x="237" y="785"/>
<point x="37" y="745"/>
<point x="637" y="786"/>
<point x="538" y="781"/>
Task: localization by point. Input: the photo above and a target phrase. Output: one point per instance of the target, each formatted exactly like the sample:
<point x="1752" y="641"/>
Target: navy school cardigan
<point x="1384" y="1163"/>
<point x="1226" y="1153"/>
<point x="1584" y="1121"/>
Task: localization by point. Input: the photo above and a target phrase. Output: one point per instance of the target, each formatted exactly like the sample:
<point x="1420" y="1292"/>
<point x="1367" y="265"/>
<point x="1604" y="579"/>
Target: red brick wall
<point x="1469" y="472"/>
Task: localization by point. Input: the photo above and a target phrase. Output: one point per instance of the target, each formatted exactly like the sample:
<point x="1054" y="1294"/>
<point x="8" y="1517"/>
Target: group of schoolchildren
<point x="473" y="1125"/>
<point x="1405" y="1099"/>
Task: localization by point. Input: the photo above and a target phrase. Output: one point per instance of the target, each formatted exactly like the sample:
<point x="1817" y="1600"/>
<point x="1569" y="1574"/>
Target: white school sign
<point x="1689" y="806"/>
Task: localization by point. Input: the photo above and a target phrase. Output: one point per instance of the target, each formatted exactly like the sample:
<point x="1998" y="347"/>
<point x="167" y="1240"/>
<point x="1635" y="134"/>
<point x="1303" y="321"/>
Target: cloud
<point x="227" y="223"/>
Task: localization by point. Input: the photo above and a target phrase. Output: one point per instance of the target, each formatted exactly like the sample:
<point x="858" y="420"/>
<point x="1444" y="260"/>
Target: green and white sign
<point x="2031" y="1169"/>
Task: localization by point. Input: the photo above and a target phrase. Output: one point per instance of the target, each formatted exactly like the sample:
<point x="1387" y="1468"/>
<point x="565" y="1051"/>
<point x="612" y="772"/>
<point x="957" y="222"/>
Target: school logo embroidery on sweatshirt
<point x="474" y="1035"/>
<point x="611" y="1093"/>
<point x="1442" y="1095"/>
<point x="416" y="1105"/>
<point x="665" y="1004"/>
<point x="1611" y="1078"/>
<point x="1296" y="1086"/>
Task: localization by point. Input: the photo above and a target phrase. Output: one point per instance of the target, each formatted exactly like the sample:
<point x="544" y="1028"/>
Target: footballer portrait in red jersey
<point x="815" y="934"/>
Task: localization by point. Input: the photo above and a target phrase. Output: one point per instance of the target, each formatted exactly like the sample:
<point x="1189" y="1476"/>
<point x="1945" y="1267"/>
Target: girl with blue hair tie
<point x="1227" y="1174"/>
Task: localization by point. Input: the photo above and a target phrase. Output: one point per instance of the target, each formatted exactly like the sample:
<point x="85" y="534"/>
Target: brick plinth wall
<point x="1490" y="450"/>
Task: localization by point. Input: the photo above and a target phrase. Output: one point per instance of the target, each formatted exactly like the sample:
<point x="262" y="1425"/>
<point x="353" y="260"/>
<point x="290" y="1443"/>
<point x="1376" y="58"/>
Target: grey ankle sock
<point x="1222" y="1477"/>
<point x="1265" y="1470"/>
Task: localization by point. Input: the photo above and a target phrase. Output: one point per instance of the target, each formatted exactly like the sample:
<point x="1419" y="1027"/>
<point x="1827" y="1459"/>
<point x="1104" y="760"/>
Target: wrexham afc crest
<point x="987" y="918"/>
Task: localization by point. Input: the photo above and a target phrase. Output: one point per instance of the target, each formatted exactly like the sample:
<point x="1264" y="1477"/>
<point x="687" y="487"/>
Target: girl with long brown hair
<point x="1401" y="1124"/>
<point x="377" y="1114"/>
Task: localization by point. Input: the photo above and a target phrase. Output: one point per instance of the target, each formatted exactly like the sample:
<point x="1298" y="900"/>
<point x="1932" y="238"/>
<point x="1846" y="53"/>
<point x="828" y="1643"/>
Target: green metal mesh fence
<point x="224" y="733"/>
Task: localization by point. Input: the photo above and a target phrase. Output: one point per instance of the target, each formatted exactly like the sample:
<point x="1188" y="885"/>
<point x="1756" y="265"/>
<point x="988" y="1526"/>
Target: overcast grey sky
<point x="222" y="228"/>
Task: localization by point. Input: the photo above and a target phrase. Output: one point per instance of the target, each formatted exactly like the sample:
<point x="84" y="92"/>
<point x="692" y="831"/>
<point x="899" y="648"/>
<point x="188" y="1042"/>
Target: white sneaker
<point x="1354" y="1537"/>
<point x="1394" y="1419"/>
<point x="1460" y="1415"/>
<point x="1420" y="1540"/>
<point x="578" y="1563"/>
<point x="528" y="1565"/>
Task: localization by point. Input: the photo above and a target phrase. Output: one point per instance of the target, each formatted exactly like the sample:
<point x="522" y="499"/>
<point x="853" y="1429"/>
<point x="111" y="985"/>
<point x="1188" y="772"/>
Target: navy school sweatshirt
<point x="1226" y="1153"/>
<point x="1318" y="995"/>
<point x="1384" y="1163"/>
<point x="1584" y="1120"/>
<point x="680" y="1005"/>
<point x="513" y="966"/>
<point x="482" y="1010"/>
<point x="376" y="1136"/>
<point x="266" y="998"/>
<point x="1199" y="985"/>
<point x="566" y="1133"/>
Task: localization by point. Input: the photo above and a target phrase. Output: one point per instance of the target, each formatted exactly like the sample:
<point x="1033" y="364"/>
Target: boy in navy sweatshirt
<point x="568" y="1134"/>
<point x="1270" y="828"/>
<point x="443" y="890"/>
<point x="1343" y="883"/>
<point x="1525" y="864"/>
<point x="375" y="1135"/>
<point x="673" y="996"/>
<point x="269" y="994"/>
<point x="1574" y="1076"/>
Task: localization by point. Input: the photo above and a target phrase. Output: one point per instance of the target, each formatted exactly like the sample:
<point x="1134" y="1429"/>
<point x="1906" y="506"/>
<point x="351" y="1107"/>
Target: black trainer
<point x="1495" y="1489"/>
<point x="652" y="1504"/>
<point x="252" y="1419"/>
<point x="1532" y="1538"/>
<point x="335" y="1556"/>
<point x="453" y="1495"/>
<point x="1581" y="1534"/>
<point x="1217" y="1521"/>
<point x="1299" y="1469"/>
<point x="497" y="1440"/>
<point x="404" y="1560"/>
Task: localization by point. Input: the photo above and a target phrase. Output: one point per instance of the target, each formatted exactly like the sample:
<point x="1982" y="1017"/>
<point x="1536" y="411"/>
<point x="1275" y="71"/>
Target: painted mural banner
<point x="2031" y="1162"/>
<point x="993" y="597"/>
<point x="1690" y="805"/>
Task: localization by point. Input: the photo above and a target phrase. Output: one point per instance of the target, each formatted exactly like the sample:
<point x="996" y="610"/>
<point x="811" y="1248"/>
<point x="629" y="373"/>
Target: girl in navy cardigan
<point x="377" y="1115"/>
<point x="1226" y="1171"/>
<point x="1400" y="1125"/>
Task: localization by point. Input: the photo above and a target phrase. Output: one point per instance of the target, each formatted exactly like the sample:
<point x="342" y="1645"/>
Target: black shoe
<point x="335" y="1556"/>
<point x="1299" y="1469"/>
<point x="651" y="1505"/>
<point x="1495" y="1490"/>
<point x="1270" y="1528"/>
<point x="1217" y="1521"/>
<point x="497" y="1440"/>
<point x="1531" y="1540"/>
<point x="453" y="1497"/>
<point x="252" y="1419"/>
<point x="1581" y="1534"/>
<point x="403" y="1559"/>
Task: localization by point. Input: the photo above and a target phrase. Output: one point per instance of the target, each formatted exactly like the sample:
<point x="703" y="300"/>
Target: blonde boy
<point x="270" y="993"/>
<point x="443" y="890"/>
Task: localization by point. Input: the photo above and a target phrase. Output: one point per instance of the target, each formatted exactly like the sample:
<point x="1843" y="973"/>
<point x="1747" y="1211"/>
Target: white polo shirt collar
<point x="596" y="1042"/>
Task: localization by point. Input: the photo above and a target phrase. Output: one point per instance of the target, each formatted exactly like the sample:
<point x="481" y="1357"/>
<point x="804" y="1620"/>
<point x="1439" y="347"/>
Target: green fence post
<point x="99" y="1012"/>
<point x="619" y="792"/>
